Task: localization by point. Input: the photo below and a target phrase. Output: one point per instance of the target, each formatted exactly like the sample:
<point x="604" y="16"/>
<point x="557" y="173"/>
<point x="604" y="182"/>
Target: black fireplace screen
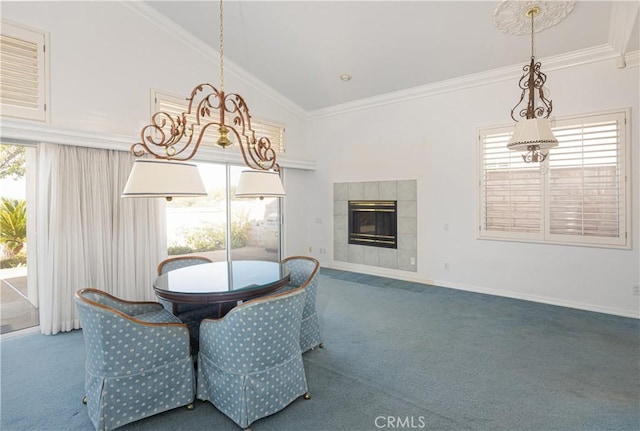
<point x="373" y="223"/>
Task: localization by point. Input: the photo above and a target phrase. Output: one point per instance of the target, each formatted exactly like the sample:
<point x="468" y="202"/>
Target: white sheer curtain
<point x="88" y="236"/>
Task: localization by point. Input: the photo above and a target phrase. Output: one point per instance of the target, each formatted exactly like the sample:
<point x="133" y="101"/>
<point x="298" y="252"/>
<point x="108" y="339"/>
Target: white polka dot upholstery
<point x="250" y="364"/>
<point x="304" y="273"/>
<point x="190" y="314"/>
<point x="180" y="262"/>
<point x="137" y="359"/>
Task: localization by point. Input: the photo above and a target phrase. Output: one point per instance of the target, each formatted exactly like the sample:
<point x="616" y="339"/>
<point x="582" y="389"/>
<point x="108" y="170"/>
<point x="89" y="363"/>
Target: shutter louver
<point x="584" y="180"/>
<point x="578" y="195"/>
<point x="511" y="188"/>
<point x="22" y="73"/>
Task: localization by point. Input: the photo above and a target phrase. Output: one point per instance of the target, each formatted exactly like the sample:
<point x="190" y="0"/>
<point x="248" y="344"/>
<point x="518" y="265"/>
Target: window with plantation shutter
<point x="22" y="73"/>
<point x="175" y="106"/>
<point x="512" y="189"/>
<point x="587" y="179"/>
<point x="579" y="195"/>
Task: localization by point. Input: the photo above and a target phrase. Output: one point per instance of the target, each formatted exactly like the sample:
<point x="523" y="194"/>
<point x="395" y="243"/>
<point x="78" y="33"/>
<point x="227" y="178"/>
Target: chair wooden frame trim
<point x="309" y="258"/>
<point x="311" y="277"/>
<point x="306" y="395"/>
<point x="79" y="295"/>
<point x="177" y="258"/>
<point x="253" y="301"/>
<point x="81" y="292"/>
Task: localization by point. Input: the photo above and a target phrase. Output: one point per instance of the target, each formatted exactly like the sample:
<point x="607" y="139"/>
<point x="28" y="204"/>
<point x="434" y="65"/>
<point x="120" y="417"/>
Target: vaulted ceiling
<point x="300" y="48"/>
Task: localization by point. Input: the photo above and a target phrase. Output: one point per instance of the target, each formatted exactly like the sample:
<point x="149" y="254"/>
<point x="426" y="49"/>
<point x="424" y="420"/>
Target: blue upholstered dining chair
<point x="304" y="274"/>
<point x="187" y="313"/>
<point x="172" y="263"/>
<point x="250" y="363"/>
<point x="177" y="262"/>
<point x="137" y="359"/>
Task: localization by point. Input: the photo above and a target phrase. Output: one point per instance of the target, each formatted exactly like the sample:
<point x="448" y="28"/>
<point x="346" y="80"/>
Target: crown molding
<point x="576" y="58"/>
<point x="632" y="59"/>
<point x="623" y="16"/>
<point x="201" y="48"/>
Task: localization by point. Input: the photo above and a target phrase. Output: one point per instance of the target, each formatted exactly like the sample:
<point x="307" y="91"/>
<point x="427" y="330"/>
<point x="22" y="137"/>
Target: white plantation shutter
<point x="511" y="188"/>
<point x="22" y="73"/>
<point x="586" y="179"/>
<point x="274" y="132"/>
<point x="175" y="106"/>
<point x="579" y="195"/>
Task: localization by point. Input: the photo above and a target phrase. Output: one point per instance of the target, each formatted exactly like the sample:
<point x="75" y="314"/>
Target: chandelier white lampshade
<point x="259" y="184"/>
<point x="160" y="178"/>
<point x="532" y="132"/>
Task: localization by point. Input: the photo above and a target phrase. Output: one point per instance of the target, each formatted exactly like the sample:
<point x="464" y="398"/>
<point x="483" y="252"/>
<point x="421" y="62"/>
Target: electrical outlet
<point x="310" y="249"/>
<point x="446" y="267"/>
<point x="636" y="290"/>
<point x="412" y="261"/>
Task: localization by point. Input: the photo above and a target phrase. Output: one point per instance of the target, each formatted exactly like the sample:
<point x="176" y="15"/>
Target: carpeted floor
<point x="397" y="355"/>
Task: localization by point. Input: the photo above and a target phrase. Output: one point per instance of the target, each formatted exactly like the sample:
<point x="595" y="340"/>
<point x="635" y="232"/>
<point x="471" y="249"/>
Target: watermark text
<point x="400" y="422"/>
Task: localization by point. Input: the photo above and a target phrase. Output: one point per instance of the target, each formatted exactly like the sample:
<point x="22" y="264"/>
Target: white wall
<point x="105" y="59"/>
<point x="433" y="140"/>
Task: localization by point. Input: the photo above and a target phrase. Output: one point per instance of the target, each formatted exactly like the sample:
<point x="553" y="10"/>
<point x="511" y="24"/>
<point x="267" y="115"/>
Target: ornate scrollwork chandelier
<point x="532" y="132"/>
<point x="175" y="139"/>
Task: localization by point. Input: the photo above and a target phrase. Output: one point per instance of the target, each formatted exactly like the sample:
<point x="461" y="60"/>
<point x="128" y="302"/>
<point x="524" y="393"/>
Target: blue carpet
<point x="398" y="355"/>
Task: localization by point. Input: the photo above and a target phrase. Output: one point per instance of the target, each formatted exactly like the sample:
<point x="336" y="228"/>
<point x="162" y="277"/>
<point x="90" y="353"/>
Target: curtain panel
<point x="88" y="236"/>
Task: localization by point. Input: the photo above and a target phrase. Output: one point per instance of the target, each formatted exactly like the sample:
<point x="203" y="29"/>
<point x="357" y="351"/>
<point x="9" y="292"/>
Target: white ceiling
<point x="300" y="48"/>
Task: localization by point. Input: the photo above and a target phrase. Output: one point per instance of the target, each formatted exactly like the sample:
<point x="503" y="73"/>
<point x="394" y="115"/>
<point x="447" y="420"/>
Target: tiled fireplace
<point x="387" y="239"/>
<point x="373" y="223"/>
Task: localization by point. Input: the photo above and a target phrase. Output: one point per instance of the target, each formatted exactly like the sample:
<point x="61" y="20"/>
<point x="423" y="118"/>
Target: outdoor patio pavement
<point x="16" y="312"/>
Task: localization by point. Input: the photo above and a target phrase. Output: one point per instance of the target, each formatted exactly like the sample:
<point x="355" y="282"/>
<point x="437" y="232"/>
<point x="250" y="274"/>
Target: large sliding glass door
<point x="255" y="225"/>
<point x="221" y="227"/>
<point x="198" y="225"/>
<point x="18" y="295"/>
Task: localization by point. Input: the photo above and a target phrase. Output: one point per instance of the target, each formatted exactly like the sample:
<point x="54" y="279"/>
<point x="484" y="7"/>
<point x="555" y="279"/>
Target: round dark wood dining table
<point x="221" y="282"/>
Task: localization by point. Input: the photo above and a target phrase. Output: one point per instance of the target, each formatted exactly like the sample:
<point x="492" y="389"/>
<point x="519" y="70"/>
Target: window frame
<point x="41" y="40"/>
<point x="544" y="235"/>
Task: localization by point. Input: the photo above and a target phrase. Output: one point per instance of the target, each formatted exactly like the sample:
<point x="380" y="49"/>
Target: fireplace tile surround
<point x="403" y="191"/>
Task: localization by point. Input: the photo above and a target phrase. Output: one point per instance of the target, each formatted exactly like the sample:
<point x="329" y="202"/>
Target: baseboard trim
<point x="381" y="272"/>
<point x="539" y="299"/>
<point x="416" y="278"/>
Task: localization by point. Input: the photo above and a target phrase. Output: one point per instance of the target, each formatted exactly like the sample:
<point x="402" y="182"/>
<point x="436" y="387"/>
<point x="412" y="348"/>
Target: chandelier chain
<point x="178" y="137"/>
<point x="221" y="50"/>
<point x="532" y="15"/>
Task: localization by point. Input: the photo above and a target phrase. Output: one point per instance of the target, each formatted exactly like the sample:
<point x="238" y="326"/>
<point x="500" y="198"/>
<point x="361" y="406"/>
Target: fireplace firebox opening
<point x="373" y="223"/>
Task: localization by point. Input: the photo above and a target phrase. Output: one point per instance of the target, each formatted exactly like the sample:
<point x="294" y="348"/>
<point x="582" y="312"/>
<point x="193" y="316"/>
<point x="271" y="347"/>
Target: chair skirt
<point x="116" y="401"/>
<point x="245" y="398"/>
